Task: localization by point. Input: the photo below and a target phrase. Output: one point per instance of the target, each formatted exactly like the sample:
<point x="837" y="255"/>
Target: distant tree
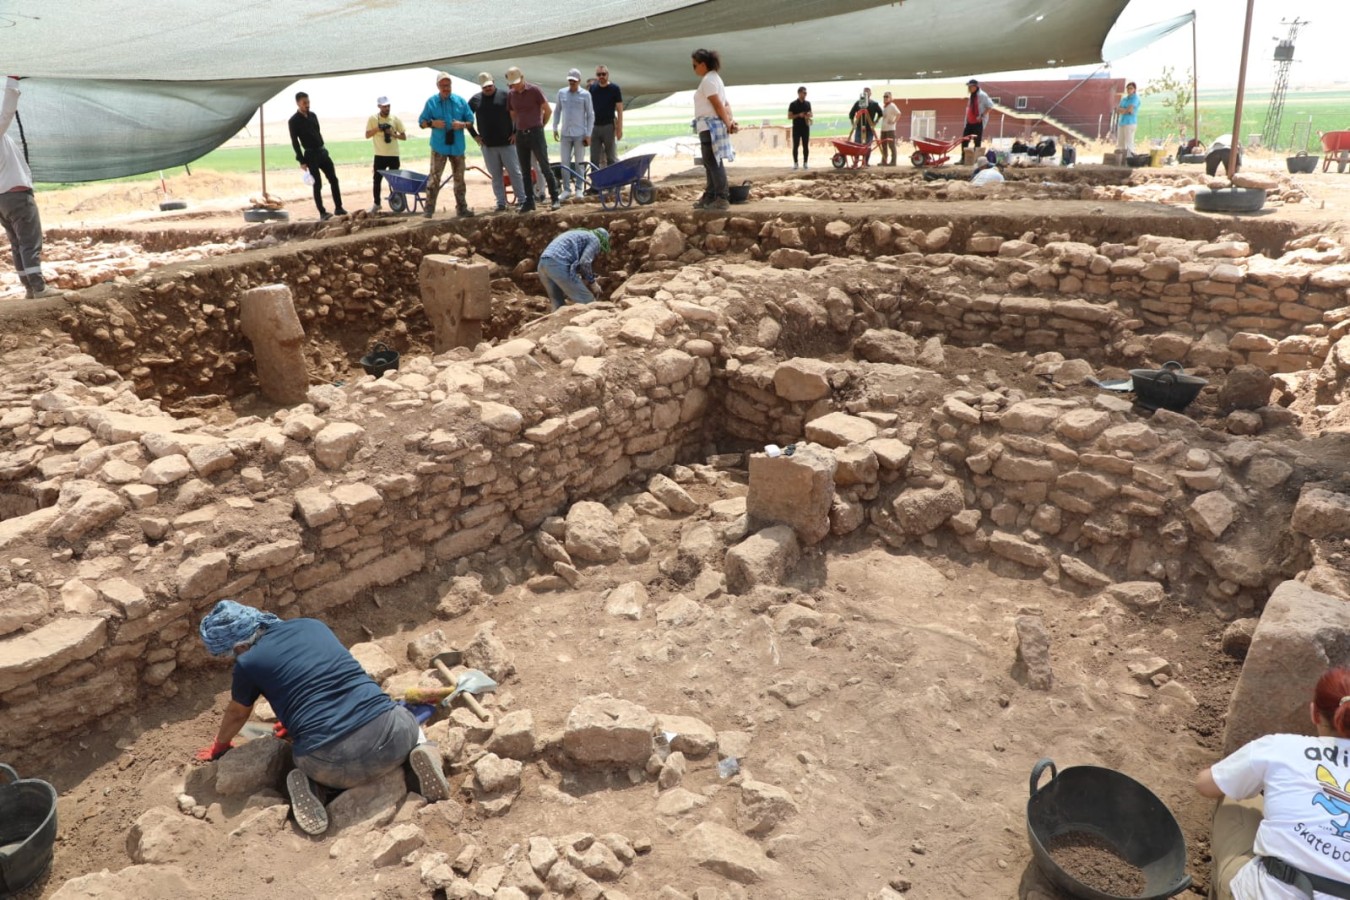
<point x="1176" y="99"/>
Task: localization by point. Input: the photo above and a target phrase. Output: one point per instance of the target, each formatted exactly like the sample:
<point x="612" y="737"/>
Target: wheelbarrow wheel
<point x="644" y="192"/>
<point x="917" y="159"/>
<point x="262" y="214"/>
<point x="398" y="202"/>
<point x="838" y="160"/>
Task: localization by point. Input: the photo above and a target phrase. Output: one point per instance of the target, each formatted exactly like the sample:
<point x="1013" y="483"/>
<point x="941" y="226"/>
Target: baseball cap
<point x="982" y="163"/>
<point x="382" y="101"/>
<point x="514" y="75"/>
<point x="972" y="81"/>
<point x="573" y="74"/>
<point x="442" y="76"/>
<point x="485" y="79"/>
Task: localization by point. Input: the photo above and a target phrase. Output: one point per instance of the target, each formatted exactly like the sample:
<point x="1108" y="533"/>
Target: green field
<point x="1323" y="110"/>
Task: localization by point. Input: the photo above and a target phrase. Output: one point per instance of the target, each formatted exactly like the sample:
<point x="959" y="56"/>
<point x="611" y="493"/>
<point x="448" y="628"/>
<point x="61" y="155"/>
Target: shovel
<point x="467" y="685"/>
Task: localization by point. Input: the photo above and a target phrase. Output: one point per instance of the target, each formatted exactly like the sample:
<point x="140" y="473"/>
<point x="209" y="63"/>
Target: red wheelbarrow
<point x="932" y="152"/>
<point x="845" y="150"/>
<point x="1335" y="148"/>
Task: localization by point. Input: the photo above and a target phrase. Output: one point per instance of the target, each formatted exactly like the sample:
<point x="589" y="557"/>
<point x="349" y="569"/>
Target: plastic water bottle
<point x="307" y="178"/>
<point x="728" y="767"/>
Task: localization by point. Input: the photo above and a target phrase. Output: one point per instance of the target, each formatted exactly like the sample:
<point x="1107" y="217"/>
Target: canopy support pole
<point x="262" y="151"/>
<point x="1195" y="78"/>
<point x="1241" y="90"/>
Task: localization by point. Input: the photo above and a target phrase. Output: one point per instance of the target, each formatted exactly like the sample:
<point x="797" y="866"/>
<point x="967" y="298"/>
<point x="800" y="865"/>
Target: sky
<point x="1319" y="60"/>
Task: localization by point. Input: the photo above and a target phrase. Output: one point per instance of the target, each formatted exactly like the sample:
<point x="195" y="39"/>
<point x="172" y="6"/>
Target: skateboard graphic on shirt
<point x="1334" y="799"/>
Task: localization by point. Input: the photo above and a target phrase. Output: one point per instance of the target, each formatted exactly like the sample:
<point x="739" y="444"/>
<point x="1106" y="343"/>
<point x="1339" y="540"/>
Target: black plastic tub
<point x="739" y="193"/>
<point x="1115" y="808"/>
<point x="1301" y="163"/>
<point x="379" y="360"/>
<point x="27" y="830"/>
<point x="1169" y="387"/>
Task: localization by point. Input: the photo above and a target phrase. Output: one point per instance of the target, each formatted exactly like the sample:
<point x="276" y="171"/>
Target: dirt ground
<point x="894" y="717"/>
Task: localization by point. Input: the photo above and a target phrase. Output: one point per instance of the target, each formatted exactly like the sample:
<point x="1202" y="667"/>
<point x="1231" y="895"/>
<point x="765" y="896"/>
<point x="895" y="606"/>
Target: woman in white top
<point x="1296" y="844"/>
<point x="715" y="125"/>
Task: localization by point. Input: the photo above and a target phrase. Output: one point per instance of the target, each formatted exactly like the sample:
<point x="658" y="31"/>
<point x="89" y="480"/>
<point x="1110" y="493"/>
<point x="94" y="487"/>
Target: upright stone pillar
<point x="793" y="490"/>
<point x="457" y="297"/>
<point x="267" y="318"/>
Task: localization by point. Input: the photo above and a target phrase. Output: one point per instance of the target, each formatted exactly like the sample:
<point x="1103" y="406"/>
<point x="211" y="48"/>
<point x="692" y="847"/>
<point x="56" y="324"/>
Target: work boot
<point x="702" y="203"/>
<point x="527" y="207"/>
<point x="720" y="203"/>
<point x="324" y="216"/>
<point x="464" y="213"/>
<point x="425" y="760"/>
<point x="305" y="804"/>
<point x="428" y="212"/>
<point x="339" y="212"/>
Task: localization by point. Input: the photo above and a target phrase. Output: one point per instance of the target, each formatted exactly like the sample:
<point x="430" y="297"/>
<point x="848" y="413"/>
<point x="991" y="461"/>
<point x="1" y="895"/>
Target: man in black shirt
<point x="863" y="131"/>
<point x="313" y="155"/>
<point x="799" y="111"/>
<point x="607" y="100"/>
<point x="496" y="136"/>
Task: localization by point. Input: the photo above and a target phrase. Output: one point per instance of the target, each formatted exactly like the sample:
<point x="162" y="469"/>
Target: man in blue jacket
<point x="565" y="265"/>
<point x="344" y="730"/>
<point x="448" y="115"/>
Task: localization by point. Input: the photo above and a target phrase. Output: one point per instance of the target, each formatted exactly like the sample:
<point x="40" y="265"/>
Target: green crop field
<point x="1310" y="111"/>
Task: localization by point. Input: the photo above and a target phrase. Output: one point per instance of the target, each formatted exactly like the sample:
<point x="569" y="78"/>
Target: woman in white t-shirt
<point x="712" y="114"/>
<point x="1296" y="844"/>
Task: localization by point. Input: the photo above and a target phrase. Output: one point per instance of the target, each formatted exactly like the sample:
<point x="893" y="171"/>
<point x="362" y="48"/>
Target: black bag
<point x="1138" y="160"/>
<point x="1068" y="156"/>
<point x="1044" y="148"/>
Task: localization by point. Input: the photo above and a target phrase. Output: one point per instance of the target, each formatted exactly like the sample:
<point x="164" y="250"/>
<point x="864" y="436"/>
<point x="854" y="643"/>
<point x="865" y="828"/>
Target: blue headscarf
<point x="229" y="624"/>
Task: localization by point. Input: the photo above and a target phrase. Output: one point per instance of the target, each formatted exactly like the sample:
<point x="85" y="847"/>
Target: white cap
<point x="382" y="101"/>
<point x="514" y="75"/>
<point x="442" y="76"/>
<point x="573" y="74"/>
<point x="484" y="79"/>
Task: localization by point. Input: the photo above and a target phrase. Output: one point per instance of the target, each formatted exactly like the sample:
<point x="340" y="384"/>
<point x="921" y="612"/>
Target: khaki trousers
<point x="1230" y="844"/>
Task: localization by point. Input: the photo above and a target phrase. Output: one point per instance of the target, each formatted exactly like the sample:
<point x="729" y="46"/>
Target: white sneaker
<point x="794" y="167"/>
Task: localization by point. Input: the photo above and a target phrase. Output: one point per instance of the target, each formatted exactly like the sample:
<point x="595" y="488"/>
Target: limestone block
<point x="258" y="764"/>
<point x="198" y="576"/>
<point x="1321" y="513"/>
<point x="604" y="730"/>
<point x="674" y="497"/>
<point x="494" y="775"/>
<point x="763" y="807"/>
<point x="921" y="510"/>
<point x="398" y="842"/>
<point x="856" y="464"/>
<point x="838" y="429"/>
<point x="369" y="805"/>
<point x="1211" y="513"/>
<point x="1082" y="425"/>
<point x="692" y="737"/>
<point x="802" y="379"/>
<point x="627" y="601"/>
<point x="735" y="856"/>
<point x="22" y="528"/>
<point x="514" y="736"/>
<point x="880" y="345"/>
<point x="765" y="557"/>
<point x="22" y="604"/>
<point x="130" y="883"/>
<point x="795" y="490"/>
<point x="892" y="454"/>
<point x="457" y="297"/>
<point x="1019" y="551"/>
<point x="94" y="509"/>
<point x="1300" y="635"/>
<point x="356" y="500"/>
<point x="377" y="662"/>
<point x="208" y="459"/>
<point x="336" y="442"/>
<point x="1032" y="666"/>
<point x="267" y="318"/>
<point x="592" y="534"/>
<point x="572" y="342"/>
<point x="162" y="835"/>
<point x="28" y="657"/>
<point x="127" y="597"/>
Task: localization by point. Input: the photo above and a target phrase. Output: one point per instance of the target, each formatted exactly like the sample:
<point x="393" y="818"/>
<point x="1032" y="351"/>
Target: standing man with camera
<point x="307" y="142"/>
<point x="385" y="131"/>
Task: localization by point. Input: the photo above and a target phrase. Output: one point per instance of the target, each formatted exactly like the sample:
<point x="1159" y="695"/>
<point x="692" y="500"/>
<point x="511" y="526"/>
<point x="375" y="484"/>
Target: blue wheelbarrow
<point x="404" y="183"/>
<point x="631" y="173"/>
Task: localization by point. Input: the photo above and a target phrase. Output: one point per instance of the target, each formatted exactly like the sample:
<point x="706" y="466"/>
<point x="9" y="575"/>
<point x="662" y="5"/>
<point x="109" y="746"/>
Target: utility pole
<point x="1284" y="59"/>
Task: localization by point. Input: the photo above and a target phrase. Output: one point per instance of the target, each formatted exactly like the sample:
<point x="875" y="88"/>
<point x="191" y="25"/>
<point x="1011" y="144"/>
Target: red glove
<point x="279" y="732"/>
<point x="215" y="751"/>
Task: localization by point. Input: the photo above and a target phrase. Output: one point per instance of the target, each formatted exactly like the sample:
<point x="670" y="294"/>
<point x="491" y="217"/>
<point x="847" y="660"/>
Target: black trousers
<point x="975" y="130"/>
<point x="321" y="164"/>
<point x="801" y="135"/>
<point x="1216" y="158"/>
<point x="532" y="143"/>
<point x="383" y="163"/>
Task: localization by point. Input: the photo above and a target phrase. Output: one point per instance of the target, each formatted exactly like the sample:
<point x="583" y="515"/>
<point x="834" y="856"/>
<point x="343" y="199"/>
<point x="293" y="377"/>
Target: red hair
<point x="1331" y="697"/>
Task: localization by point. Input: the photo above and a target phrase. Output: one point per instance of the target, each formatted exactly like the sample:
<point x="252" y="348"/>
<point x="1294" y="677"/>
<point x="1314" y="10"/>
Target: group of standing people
<point x="508" y="126"/>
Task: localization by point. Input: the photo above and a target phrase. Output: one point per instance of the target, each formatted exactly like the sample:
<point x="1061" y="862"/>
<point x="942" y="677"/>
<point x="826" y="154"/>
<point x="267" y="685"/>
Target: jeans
<point x="377" y="747"/>
<point x="562" y="284"/>
<point x="434" y="181"/>
<point x="321" y="164"/>
<point x="801" y="136"/>
<point x="604" y="152"/>
<point x="716" y="173"/>
<point x="573" y="155"/>
<point x="19" y="215"/>
<point x="383" y="163"/>
<point x="531" y="144"/>
<point x="499" y="160"/>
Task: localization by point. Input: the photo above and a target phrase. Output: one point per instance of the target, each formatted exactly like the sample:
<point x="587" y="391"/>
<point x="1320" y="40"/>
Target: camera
<point x="386" y="128"/>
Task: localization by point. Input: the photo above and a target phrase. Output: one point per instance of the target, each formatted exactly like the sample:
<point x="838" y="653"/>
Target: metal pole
<point x="1195" y="77"/>
<point x="262" y="151"/>
<point x="1241" y="90"/>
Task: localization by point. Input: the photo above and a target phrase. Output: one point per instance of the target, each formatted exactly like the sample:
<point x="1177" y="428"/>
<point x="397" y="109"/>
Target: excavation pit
<point x="934" y="356"/>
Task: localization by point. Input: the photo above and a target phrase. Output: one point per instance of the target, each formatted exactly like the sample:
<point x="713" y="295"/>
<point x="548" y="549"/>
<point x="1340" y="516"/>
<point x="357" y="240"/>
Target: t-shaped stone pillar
<point x="793" y="490"/>
<point x="457" y="297"/>
<point x="267" y="318"/>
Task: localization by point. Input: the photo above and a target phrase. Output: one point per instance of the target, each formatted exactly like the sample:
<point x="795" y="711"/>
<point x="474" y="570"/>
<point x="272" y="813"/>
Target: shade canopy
<point x="119" y="87"/>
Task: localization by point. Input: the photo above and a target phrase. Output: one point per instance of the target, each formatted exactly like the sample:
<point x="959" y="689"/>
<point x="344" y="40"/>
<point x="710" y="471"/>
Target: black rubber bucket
<point x="739" y="193"/>
<point x="1169" y="387"/>
<point x="1114" y="807"/>
<point x="27" y="830"/>
<point x="1301" y="163"/>
<point x="379" y="360"/>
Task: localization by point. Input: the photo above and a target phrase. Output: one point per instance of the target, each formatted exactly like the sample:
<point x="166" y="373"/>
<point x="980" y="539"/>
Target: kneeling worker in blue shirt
<point x="344" y="730"/>
<point x="565" y="265"/>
